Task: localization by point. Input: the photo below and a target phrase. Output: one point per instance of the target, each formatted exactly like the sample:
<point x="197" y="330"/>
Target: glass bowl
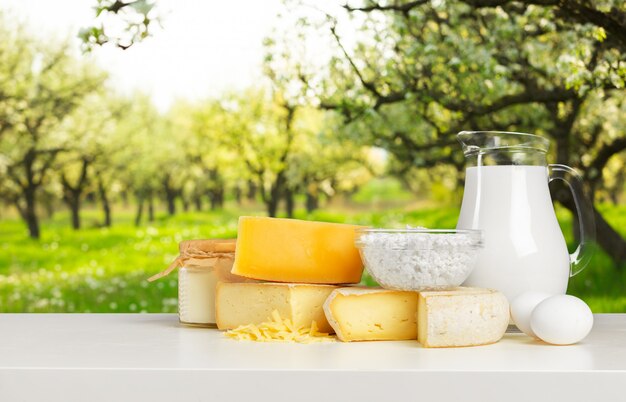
<point x="419" y="259"/>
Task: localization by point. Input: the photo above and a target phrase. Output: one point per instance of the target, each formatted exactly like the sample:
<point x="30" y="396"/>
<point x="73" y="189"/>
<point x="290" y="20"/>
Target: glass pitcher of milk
<point x="507" y="197"/>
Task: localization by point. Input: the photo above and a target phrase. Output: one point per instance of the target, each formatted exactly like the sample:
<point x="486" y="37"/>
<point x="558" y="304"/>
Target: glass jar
<point x="201" y="263"/>
<point x="196" y="296"/>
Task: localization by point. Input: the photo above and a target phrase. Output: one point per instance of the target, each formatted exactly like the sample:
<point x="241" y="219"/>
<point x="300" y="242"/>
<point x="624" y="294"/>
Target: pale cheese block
<point x="461" y="317"/>
<point x="291" y="250"/>
<point x="253" y="303"/>
<point x="372" y="314"/>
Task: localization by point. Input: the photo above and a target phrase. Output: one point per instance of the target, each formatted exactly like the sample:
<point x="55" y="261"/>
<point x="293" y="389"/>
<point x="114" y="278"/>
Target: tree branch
<point x="403" y="8"/>
<point x="367" y="84"/>
<point x="528" y="96"/>
<point x="605" y="153"/>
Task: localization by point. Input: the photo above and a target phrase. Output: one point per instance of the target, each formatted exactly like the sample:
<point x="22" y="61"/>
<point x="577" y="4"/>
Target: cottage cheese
<point x="417" y="259"/>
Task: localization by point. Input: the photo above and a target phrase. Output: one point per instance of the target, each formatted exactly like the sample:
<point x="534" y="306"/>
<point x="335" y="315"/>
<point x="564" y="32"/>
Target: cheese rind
<point x="461" y="317"/>
<point x="290" y="250"/>
<point x="368" y="314"/>
<point x="239" y="304"/>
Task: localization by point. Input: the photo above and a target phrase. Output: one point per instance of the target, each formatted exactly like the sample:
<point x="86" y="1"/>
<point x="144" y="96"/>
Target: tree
<point x="145" y="158"/>
<point x="319" y="157"/>
<point x="210" y="164"/>
<point x="422" y="71"/>
<point x="40" y="86"/>
<point x="327" y="162"/>
<point x="90" y="130"/>
<point x="259" y="129"/>
<point x="111" y="152"/>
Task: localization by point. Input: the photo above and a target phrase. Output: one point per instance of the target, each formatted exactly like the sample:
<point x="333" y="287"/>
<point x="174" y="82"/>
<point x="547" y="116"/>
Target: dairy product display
<point x="291" y="250"/>
<point x="508" y="245"/>
<point x="366" y="314"/>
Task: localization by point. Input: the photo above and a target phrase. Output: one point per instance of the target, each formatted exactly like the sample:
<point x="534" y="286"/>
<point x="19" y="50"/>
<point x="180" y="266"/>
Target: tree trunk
<point x="214" y="200"/>
<point x="185" y="204"/>
<point x="33" y="226"/>
<point x="75" y="210"/>
<point x="275" y="194"/>
<point x="216" y="197"/>
<point x="611" y="241"/>
<point x="139" y="211"/>
<point x="238" y="194"/>
<point x="72" y="194"/>
<point x="106" y="206"/>
<point x="150" y="208"/>
<point x="312" y="202"/>
<point x="251" y="195"/>
<point x="71" y="198"/>
<point x="615" y="192"/>
<point x="272" y="207"/>
<point x="220" y="197"/>
<point x="289" y="202"/>
<point x="170" y="196"/>
<point x="106" y="209"/>
<point x="29" y="213"/>
<point x="171" y="205"/>
<point x="197" y="200"/>
<point x="606" y="237"/>
<point x="216" y="189"/>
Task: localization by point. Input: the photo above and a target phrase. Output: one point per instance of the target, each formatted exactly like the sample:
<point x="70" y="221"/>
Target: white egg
<point x="522" y="307"/>
<point x="561" y="320"/>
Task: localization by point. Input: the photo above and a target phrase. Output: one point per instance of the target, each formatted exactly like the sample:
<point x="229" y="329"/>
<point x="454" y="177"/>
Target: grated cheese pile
<point x="277" y="329"/>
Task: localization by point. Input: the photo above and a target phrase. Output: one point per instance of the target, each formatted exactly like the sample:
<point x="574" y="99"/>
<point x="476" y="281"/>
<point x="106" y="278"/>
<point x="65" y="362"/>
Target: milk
<point x="524" y="248"/>
<point x="196" y="296"/>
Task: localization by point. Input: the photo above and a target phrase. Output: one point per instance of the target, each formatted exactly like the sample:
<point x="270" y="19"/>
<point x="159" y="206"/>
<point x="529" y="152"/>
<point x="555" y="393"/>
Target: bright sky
<point x="205" y="47"/>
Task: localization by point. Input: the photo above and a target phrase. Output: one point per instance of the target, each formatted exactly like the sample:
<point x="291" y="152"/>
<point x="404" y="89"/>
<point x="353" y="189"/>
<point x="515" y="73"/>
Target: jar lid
<point x="201" y="246"/>
<point x="200" y="253"/>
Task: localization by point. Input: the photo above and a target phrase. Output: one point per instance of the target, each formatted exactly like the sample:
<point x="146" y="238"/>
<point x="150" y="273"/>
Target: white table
<point x="134" y="357"/>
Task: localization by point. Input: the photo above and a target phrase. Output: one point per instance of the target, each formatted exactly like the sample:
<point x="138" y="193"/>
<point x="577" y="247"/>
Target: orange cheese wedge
<point x="291" y="250"/>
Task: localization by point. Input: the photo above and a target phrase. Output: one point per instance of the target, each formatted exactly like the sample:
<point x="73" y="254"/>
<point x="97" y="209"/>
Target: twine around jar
<point x="202" y="254"/>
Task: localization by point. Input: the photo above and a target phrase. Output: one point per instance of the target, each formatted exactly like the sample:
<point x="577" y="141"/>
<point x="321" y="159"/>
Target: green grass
<point x="98" y="269"/>
<point x="105" y="269"/>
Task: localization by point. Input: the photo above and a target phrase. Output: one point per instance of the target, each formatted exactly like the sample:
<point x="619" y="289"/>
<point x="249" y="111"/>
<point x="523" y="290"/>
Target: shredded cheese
<point x="277" y="329"/>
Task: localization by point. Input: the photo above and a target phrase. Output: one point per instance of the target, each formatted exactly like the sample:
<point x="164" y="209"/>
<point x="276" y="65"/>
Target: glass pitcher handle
<point x="586" y="222"/>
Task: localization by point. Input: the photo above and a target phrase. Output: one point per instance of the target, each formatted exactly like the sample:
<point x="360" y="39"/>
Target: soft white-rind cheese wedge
<point x="253" y="303"/>
<point x="362" y="314"/>
<point x="461" y="317"/>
